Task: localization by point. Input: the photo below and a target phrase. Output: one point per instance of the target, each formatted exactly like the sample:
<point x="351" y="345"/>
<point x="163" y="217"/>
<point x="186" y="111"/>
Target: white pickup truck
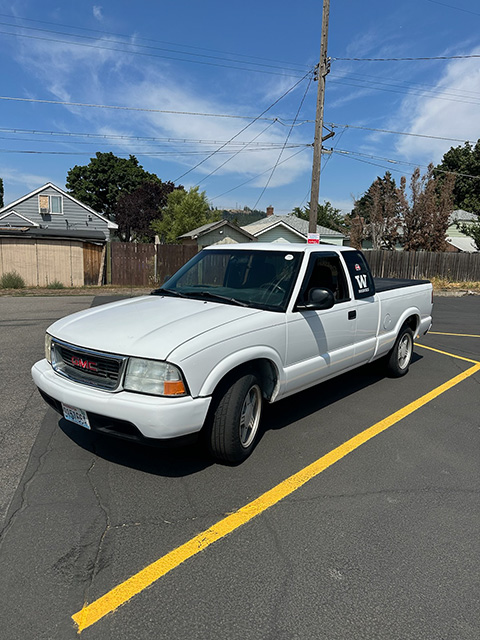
<point x="237" y="326"/>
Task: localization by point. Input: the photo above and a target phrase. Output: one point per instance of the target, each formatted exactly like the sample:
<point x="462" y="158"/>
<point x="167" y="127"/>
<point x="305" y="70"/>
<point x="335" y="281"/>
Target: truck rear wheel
<point x="236" y="419"/>
<point x="400" y="356"/>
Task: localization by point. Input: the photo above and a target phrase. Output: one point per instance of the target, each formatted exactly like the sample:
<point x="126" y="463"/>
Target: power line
<point x="398" y="133"/>
<point x="235" y="154"/>
<point x="143" y="53"/>
<point x="459" y="57"/>
<point x="450" y="6"/>
<point x="135" y="152"/>
<point x="133" y="44"/>
<point x="129" y="36"/>
<point x="166" y="141"/>
<point x="412" y="90"/>
<point x="285" y="143"/>
<point x="144" y="109"/>
<point x="244" y="128"/>
<point x="255" y="177"/>
<point x="416" y="93"/>
<point x="358" y="154"/>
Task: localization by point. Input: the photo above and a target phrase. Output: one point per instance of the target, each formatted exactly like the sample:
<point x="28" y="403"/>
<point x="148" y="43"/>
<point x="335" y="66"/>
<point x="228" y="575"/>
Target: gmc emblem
<point x="84" y="364"/>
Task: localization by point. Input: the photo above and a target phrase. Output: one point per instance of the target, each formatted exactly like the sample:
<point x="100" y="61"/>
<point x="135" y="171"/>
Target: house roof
<point x="6" y="215"/>
<point x="459" y="215"/>
<point x="464" y="244"/>
<point x="293" y="222"/>
<point x="213" y="226"/>
<point x="61" y="234"/>
<point x="110" y="224"/>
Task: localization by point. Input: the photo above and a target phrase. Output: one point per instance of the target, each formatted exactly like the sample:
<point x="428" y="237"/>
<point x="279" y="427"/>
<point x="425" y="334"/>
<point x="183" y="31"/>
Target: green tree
<point x="101" y="182"/>
<point x="327" y="216"/>
<point x="463" y="160"/>
<point x="184" y="211"/>
<point x="466" y="191"/>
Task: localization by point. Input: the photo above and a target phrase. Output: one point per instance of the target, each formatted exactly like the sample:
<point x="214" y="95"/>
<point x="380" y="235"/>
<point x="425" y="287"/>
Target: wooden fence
<point x="456" y="267"/>
<point x="133" y="264"/>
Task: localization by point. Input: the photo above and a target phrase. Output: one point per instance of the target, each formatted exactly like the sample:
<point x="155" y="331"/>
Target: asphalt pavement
<point x="382" y="544"/>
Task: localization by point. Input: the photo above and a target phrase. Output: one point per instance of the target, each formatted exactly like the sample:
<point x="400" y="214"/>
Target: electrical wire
<point x="413" y="93"/>
<point x="286" y="141"/>
<point x="398" y="133"/>
<point x="145" y="109"/>
<point x="459" y="57"/>
<point x="130" y="36"/>
<point x="358" y="154"/>
<point x="235" y="154"/>
<point x="450" y="6"/>
<point x="144" y="53"/>
<point x="255" y="177"/>
<point x="246" y="127"/>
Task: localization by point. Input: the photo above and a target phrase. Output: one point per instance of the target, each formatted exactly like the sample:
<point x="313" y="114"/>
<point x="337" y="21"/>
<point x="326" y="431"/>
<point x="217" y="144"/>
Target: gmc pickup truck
<point x="237" y="326"/>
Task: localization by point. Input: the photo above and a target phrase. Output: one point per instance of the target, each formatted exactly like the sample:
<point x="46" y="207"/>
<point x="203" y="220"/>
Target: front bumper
<point x="154" y="417"/>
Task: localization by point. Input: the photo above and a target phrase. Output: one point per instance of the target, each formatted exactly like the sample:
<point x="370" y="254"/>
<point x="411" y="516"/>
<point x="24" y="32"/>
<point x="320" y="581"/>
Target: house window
<point x="50" y="204"/>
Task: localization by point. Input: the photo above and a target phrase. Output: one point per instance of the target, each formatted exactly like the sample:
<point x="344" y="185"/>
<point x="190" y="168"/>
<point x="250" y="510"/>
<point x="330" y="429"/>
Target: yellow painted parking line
<point x="119" y="595"/>
<point x="445" y="353"/>
<point x="460" y="335"/>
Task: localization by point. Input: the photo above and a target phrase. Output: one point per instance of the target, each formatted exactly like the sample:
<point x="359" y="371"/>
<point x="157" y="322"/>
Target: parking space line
<point x="122" y="593"/>
<point x="460" y="335"/>
<point x="445" y="353"/>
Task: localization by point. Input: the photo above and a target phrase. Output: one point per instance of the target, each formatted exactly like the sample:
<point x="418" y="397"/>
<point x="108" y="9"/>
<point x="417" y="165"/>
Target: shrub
<point x="55" y="284"/>
<point x="12" y="280"/>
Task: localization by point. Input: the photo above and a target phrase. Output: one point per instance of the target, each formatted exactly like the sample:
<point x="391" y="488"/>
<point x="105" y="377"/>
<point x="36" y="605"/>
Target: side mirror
<point x="318" y="299"/>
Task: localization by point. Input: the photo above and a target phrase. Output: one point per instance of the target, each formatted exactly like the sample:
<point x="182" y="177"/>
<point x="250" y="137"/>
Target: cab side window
<point x="326" y="272"/>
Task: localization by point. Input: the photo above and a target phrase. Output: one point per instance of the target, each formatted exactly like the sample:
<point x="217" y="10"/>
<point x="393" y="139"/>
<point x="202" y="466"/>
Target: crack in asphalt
<point x="23" y="500"/>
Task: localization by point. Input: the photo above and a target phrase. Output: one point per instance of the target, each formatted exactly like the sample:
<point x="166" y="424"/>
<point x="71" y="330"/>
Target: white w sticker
<point x="361" y="281"/>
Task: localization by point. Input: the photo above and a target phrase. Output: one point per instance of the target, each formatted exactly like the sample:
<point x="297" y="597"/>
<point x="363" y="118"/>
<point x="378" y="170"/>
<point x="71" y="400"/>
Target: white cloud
<point x="455" y="115"/>
<point x="97" y="13"/>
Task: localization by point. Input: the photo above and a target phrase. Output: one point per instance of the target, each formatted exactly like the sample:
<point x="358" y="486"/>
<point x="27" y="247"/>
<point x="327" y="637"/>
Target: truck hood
<point x="149" y="326"/>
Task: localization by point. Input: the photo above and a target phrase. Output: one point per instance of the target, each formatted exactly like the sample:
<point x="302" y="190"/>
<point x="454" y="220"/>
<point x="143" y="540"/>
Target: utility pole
<point x="322" y="70"/>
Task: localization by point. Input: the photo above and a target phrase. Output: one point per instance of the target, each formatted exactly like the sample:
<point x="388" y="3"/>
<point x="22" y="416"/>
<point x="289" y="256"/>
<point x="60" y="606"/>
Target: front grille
<point x="94" y="368"/>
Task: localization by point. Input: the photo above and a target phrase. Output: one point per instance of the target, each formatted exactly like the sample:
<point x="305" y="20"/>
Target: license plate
<point x="79" y="416"/>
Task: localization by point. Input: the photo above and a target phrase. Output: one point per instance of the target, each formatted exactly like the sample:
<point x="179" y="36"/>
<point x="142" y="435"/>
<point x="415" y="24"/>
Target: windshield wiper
<point x="217" y="296"/>
<point x="168" y="292"/>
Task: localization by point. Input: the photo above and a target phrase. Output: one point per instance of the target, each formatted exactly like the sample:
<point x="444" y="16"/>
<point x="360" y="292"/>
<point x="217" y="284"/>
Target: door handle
<point x="352" y="315"/>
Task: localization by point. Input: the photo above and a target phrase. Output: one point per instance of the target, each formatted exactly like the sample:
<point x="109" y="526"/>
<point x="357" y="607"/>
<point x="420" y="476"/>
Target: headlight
<point x="48" y="348"/>
<point x="154" y="377"/>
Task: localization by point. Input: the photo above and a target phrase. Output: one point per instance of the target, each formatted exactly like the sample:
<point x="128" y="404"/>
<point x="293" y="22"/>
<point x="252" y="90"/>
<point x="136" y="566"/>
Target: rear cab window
<point x="360" y="275"/>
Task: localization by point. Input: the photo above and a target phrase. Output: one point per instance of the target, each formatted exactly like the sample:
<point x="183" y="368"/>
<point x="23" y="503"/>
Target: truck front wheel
<point x="235" y="420"/>
<point x="401" y="355"/>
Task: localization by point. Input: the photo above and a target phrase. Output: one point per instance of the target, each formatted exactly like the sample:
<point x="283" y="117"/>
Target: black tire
<point x="235" y="421"/>
<point x="399" y="358"/>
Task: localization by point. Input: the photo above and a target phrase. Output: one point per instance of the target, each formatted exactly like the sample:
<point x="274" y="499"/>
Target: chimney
<point x="270" y="211"/>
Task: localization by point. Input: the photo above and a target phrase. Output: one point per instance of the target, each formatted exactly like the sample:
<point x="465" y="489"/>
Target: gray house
<point x="50" y="208"/>
<point x="221" y="232"/>
<point x="289" y="228"/>
<point x="48" y="235"/>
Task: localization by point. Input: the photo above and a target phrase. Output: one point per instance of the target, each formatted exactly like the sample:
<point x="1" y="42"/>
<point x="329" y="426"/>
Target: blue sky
<point x="167" y="63"/>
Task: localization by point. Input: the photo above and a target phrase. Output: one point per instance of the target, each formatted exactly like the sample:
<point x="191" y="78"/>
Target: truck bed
<point x="387" y="284"/>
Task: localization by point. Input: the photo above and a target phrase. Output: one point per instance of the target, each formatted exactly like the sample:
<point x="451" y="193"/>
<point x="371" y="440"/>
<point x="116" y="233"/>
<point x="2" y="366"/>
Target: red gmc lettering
<point x="84" y="364"/>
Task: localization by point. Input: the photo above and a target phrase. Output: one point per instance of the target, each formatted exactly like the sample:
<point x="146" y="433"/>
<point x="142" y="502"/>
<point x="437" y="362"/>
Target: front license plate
<point x="79" y="416"/>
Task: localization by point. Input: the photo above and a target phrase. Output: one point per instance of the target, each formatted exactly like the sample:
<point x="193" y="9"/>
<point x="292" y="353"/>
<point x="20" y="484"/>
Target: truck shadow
<point x="189" y="459"/>
<point x="308" y="402"/>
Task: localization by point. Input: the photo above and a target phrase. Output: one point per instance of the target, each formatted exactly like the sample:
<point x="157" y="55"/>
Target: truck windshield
<point x="261" y="279"/>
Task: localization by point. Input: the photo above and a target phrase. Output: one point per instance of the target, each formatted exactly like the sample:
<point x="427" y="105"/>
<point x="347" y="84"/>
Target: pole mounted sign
<point x="313" y="238"/>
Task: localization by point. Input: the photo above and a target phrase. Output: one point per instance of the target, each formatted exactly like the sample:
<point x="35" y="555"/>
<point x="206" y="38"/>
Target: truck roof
<point x="281" y="246"/>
